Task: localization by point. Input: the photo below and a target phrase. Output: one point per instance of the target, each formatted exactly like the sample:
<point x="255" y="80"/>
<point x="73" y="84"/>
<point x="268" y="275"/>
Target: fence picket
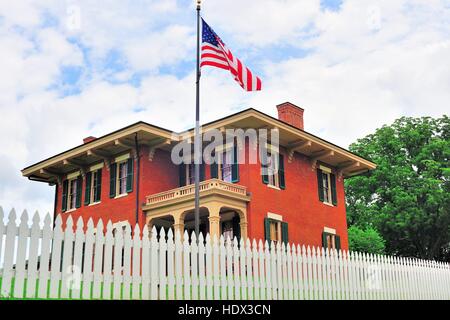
<point x="67" y="255"/>
<point x="117" y="267"/>
<point x="210" y="272"/>
<point x="194" y="267"/>
<point x="170" y="265"/>
<point x="216" y="268"/>
<point x="32" y="272"/>
<point x="154" y="272"/>
<point x="22" y="244"/>
<point x="201" y="267"/>
<point x="251" y="270"/>
<point x="107" y="262"/>
<point x="44" y="263"/>
<point x="146" y="263"/>
<point x="55" y="274"/>
<point x="186" y="267"/>
<point x="162" y="265"/>
<point x="98" y="261"/>
<point x="136" y="256"/>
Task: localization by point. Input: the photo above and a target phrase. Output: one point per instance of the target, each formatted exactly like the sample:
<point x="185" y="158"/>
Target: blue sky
<point x="76" y="68"/>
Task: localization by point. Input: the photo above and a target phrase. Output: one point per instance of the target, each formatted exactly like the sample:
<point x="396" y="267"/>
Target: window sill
<point x="328" y="204"/>
<point x="71" y="210"/>
<point x="94" y="203"/>
<point x="121" y="195"/>
<point x="273" y="187"/>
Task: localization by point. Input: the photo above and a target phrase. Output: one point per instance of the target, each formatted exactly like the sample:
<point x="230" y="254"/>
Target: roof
<point x="119" y="141"/>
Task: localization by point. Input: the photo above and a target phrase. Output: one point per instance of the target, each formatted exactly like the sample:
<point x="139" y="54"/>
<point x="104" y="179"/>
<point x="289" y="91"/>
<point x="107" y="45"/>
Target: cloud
<point x="79" y="68"/>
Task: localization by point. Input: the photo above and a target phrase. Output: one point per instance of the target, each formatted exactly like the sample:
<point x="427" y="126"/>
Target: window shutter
<point x="87" y="190"/>
<point x="265" y="177"/>
<point x="235" y="166"/>
<point x="98" y="191"/>
<point x="130" y="175"/>
<point x="267" y="229"/>
<point x="333" y="189"/>
<point x="202" y="172"/>
<point x="182" y="174"/>
<point x="324" y="240"/>
<point x="281" y="172"/>
<point x="284" y="233"/>
<point x="320" y="184"/>
<point x="112" y="180"/>
<point x="64" y="195"/>
<point x="79" y="190"/>
<point x="236" y="228"/>
<point x="338" y="242"/>
<point x="214" y="171"/>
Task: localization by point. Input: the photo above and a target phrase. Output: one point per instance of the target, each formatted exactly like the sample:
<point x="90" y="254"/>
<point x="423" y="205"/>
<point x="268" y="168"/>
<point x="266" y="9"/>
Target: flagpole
<point x="197" y="141"/>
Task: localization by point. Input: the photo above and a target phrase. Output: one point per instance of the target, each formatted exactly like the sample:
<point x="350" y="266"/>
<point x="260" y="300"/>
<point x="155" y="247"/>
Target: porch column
<point x="243" y="225"/>
<point x="178" y="224"/>
<point x="214" y="221"/>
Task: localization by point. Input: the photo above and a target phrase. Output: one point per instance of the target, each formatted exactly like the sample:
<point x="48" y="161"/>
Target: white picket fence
<point x="91" y="264"/>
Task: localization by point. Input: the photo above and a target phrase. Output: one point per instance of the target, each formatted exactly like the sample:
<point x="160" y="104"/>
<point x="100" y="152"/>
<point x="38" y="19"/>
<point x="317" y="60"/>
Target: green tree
<point x="365" y="240"/>
<point x="407" y="198"/>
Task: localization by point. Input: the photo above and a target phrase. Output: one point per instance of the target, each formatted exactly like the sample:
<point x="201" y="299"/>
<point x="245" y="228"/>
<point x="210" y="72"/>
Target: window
<point x="71" y="193"/>
<point x="72" y="200"/>
<point x="187" y="174"/>
<point x="93" y="187"/>
<point x="227" y="166"/>
<point x="121" y="177"/>
<point x="273" y="168"/>
<point x="326" y="182"/>
<point x="275" y="230"/>
<point x="331" y="241"/>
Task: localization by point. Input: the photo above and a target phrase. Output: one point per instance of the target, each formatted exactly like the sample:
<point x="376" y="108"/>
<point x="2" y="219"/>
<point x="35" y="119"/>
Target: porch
<point x="223" y="209"/>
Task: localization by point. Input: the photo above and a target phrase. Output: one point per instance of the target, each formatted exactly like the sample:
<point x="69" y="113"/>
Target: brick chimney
<point x="89" y="139"/>
<point x="291" y="114"/>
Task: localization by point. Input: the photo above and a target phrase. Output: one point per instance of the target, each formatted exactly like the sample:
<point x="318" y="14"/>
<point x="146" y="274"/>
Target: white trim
<point x="94" y="203"/>
<point x="329" y="230"/>
<point x="273" y="187"/>
<point x="274" y="216"/>
<point x="122" y="158"/>
<point x="73" y="175"/>
<point x="325" y="169"/>
<point x="121" y="195"/>
<point x="97" y="166"/>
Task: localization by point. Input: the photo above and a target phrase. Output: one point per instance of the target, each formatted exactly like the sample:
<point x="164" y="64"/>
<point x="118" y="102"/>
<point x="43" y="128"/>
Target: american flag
<point x="215" y="53"/>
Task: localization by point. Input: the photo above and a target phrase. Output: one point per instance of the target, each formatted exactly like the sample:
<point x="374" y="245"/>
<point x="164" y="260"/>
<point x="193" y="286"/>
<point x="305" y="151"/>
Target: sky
<point x="71" y="69"/>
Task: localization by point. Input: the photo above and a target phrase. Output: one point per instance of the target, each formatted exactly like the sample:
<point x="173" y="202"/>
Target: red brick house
<point x="128" y="175"/>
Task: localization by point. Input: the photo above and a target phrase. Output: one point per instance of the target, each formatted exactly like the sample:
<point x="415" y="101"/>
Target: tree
<point x="407" y="198"/>
<point x="365" y="240"/>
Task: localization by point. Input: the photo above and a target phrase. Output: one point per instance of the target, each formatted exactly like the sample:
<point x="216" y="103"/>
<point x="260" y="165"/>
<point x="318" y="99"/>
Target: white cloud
<point x="367" y="65"/>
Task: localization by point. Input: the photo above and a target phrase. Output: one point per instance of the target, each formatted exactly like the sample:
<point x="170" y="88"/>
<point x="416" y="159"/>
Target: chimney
<point x="89" y="139"/>
<point x="291" y="114"/>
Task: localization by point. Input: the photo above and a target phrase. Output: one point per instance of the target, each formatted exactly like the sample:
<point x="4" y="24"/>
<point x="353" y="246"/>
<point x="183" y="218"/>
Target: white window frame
<point x="92" y="195"/>
<point x="274" y="179"/>
<point x="118" y="178"/>
<point x="221" y="152"/>
<point x="275" y="226"/>
<point x="69" y="194"/>
<point x="328" y="196"/>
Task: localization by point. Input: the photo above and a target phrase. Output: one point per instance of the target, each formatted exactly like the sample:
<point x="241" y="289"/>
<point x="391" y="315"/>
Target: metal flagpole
<point x="197" y="140"/>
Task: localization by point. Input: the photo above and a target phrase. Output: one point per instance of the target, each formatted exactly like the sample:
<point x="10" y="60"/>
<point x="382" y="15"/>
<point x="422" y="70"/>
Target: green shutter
<point x="214" y="171"/>
<point x="324" y="240"/>
<point x="281" y="172"/>
<point x="320" y="184"/>
<point x="235" y="165"/>
<point x="98" y="190"/>
<point x="130" y="175"/>
<point x="182" y="174"/>
<point x="267" y="229"/>
<point x="79" y="190"/>
<point x="284" y="232"/>
<point x="333" y="189"/>
<point x="112" y="180"/>
<point x="265" y="177"/>
<point x="338" y="242"/>
<point x="64" y="195"/>
<point x="202" y="172"/>
<point x="87" y="190"/>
